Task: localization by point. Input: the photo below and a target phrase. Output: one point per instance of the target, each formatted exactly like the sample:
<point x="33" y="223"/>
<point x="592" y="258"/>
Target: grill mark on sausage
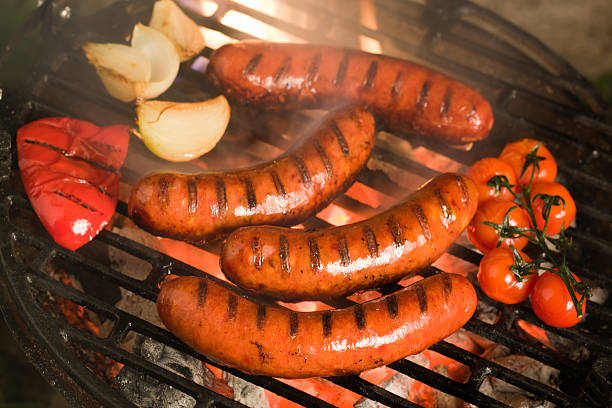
<point x="465" y="192"/>
<point x="340" y="137"/>
<point x="370" y="239"/>
<point x="326" y="321"/>
<point x="202" y="289"/>
<point x="342" y="68"/>
<point x="282" y="70"/>
<point x="447" y="211"/>
<point x="163" y="195"/>
<point x="260" y="320"/>
<point x="345" y="258"/>
<point x="396" y="231"/>
<point x="293" y="324"/>
<point x="368" y="82"/>
<point x="278" y="184"/>
<point x="260" y="351"/>
<point x="68" y="155"/>
<point x="396" y="88"/>
<point x="392" y="306"/>
<point x="250" y="193"/>
<point x="446" y="102"/>
<point x="315" y="255"/>
<point x="232" y="306"/>
<point x="303" y="170"/>
<point x="192" y="188"/>
<point x="359" y="316"/>
<point x="251" y="65"/>
<point x="421" y="297"/>
<point x="447" y="285"/>
<point x="257" y="252"/>
<point x="329" y="169"/>
<point x="283" y="253"/>
<point x="75" y="200"/>
<point x="313" y="70"/>
<point x="423" y="221"/>
<point x="221" y="196"/>
<point x="423" y="96"/>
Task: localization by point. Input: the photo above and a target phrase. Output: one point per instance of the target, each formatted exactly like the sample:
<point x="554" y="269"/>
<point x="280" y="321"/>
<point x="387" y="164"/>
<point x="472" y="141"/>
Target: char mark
<point x="329" y="169"/>
<point x="359" y="316"/>
<point x="192" y="188"/>
<point x="396" y="88"/>
<point x="392" y="306"/>
<point x="250" y="193"/>
<point x="278" y="184"/>
<point x="423" y="221"/>
<point x="421" y="297"/>
<point x="345" y="258"/>
<point x="423" y="96"/>
<point x="303" y="170"/>
<point x="315" y="255"/>
<point x="342" y="68"/>
<point x="446" y="102"/>
<point x="313" y="70"/>
<point x="232" y="306"/>
<point x="396" y="231"/>
<point x="340" y="137"/>
<point x="326" y="320"/>
<point x="282" y="70"/>
<point x="251" y="65"/>
<point x="68" y="155"/>
<point x="163" y="194"/>
<point x="75" y="200"/>
<point x="370" y="77"/>
<point x="260" y="351"/>
<point x="261" y="316"/>
<point x="447" y="285"/>
<point x="257" y="253"/>
<point x="202" y="289"/>
<point x="293" y="324"/>
<point x="370" y="239"/>
<point x="447" y="211"/>
<point x="465" y="192"/>
<point x="221" y="197"/>
<point x="283" y="253"/>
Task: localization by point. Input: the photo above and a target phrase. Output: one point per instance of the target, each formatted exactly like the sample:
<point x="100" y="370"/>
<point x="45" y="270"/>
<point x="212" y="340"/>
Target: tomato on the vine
<point x="483" y="170"/>
<point x="498" y="282"/>
<point x="515" y="155"/>
<point x="559" y="214"/>
<point x="485" y="237"/>
<point x="551" y="302"/>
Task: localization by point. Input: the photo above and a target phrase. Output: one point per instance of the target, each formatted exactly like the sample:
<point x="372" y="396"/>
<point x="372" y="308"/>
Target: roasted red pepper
<point x="70" y="170"/>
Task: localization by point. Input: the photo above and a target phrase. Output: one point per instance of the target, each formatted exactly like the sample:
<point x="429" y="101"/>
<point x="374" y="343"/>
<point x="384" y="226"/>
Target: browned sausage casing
<point x="266" y="340"/>
<point x="283" y="191"/>
<point x="295" y="265"/>
<point x="404" y="96"/>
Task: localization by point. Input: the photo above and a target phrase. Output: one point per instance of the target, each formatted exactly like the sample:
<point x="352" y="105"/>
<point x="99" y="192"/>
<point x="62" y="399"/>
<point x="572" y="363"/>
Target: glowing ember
<point x="337" y="215"/>
<point x="536" y="332"/>
<point x="191" y="255"/>
<point x="436" y="161"/>
<point x="367" y="195"/>
<point x="451" y="264"/>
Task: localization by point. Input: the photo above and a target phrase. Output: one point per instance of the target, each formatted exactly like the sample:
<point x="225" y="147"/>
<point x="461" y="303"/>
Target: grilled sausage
<point x="295" y="265"/>
<point x="273" y="341"/>
<point x="404" y="96"/>
<point x="283" y="191"/>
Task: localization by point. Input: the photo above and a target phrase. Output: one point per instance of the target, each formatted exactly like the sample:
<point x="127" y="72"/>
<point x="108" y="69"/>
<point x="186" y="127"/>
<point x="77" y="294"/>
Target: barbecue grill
<point x="534" y="93"/>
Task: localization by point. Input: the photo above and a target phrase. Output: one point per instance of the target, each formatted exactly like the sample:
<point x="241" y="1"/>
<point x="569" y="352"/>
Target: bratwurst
<point x="295" y="265"/>
<point x="285" y="191"/>
<point x="273" y="341"/>
<point x="404" y="96"/>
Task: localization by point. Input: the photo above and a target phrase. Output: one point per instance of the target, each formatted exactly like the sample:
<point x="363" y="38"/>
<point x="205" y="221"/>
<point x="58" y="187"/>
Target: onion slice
<point x="169" y="19"/>
<point x="178" y="131"/>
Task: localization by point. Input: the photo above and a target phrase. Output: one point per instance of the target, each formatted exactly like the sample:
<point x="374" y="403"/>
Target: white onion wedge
<point x="170" y="20"/>
<point x="124" y="71"/>
<point x="182" y="131"/>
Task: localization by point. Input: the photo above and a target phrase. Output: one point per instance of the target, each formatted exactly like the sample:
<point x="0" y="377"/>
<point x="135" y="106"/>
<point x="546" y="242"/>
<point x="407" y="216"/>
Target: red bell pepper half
<point x="70" y="170"/>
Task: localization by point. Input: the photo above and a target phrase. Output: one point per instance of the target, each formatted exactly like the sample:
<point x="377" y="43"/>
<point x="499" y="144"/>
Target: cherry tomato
<point x="485" y="237"/>
<point x="552" y="303"/>
<point x="515" y="153"/>
<point x="483" y="170"/>
<point x="559" y="214"/>
<point x="498" y="282"/>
